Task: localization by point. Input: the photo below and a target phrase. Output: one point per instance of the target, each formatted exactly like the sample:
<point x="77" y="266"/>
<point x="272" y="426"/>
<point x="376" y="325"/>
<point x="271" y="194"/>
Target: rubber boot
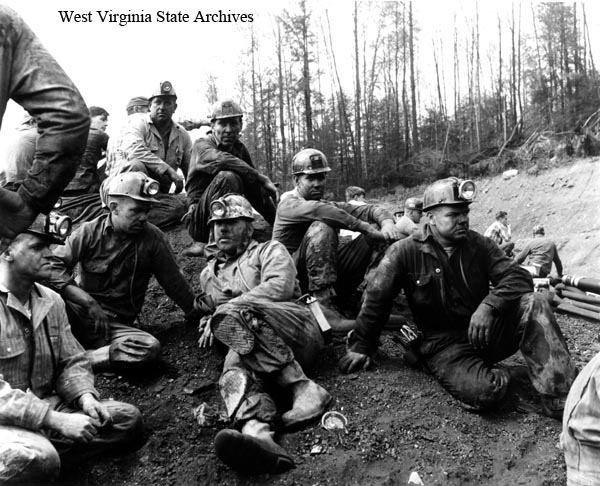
<point x="309" y="399"/>
<point x="253" y="451"/>
<point x="99" y="359"/>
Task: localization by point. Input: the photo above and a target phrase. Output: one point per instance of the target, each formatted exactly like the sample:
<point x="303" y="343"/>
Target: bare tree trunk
<point x="254" y="103"/>
<point x="284" y="164"/>
<point x="357" y="124"/>
<point x="306" y="75"/>
<point x="413" y="89"/>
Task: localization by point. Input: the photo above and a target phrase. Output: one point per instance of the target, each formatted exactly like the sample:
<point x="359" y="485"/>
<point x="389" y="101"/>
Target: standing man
<point x="159" y="147"/>
<point x="499" y="232"/>
<point x="542" y="253"/>
<point x="116" y="254"/>
<point x="221" y="165"/>
<point x="251" y="289"/>
<point x="49" y="408"/>
<point x="445" y="271"/>
<point x="308" y="227"/>
<point x="30" y="76"/>
<point x="407" y="224"/>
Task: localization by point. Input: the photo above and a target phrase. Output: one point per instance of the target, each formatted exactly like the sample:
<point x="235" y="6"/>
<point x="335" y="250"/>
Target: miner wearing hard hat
<point x="446" y="270"/>
<point x="116" y="254"/>
<point x="221" y="164"/>
<point x="159" y="147"/>
<point x="50" y="411"/>
<point x="308" y="227"/>
<point x="250" y="299"/>
<point x="408" y="223"/>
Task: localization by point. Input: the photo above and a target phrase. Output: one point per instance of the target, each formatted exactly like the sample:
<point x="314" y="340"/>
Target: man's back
<point x="541" y="252"/>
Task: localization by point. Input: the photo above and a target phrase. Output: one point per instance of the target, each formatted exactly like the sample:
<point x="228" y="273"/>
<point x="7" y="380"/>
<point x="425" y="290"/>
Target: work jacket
<point x="32" y="77"/>
<point x="209" y="158"/>
<point x="295" y="214"/>
<point x="51" y="363"/>
<point x="443" y="292"/>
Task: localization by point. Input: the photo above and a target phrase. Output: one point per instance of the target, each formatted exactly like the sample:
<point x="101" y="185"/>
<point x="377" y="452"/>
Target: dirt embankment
<point x="564" y="199"/>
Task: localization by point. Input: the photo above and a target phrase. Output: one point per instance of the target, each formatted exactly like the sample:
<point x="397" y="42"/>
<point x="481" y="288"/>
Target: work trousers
<point x="128" y="348"/>
<point x="28" y="456"/>
<point x="322" y="261"/>
<point x="469" y="374"/>
<point x="279" y="333"/>
<point x="227" y="182"/>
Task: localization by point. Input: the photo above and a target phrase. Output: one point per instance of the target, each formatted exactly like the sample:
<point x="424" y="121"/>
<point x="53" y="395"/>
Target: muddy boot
<point x="339" y="324"/>
<point x="309" y="399"/>
<point x="253" y="451"/>
<point x="194" y="250"/>
<point x="99" y="359"/>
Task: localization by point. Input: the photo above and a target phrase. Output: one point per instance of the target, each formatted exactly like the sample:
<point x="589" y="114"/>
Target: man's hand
<point x="373" y="236"/>
<point x="270" y="188"/>
<point x="206" y="336"/>
<point x="177" y="179"/>
<point x="390" y="231"/>
<point x="353" y="361"/>
<point x="16" y="217"/>
<point x="74" y="426"/>
<point x="187" y="217"/>
<point x="100" y="319"/>
<point x="480" y="327"/>
<point x="94" y="409"/>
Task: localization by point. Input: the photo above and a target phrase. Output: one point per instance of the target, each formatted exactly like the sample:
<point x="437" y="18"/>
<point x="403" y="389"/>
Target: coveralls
<point x="42" y="368"/>
<point x="215" y="171"/>
<point x="580" y="438"/>
<point x="116" y="272"/>
<point x="258" y="288"/>
<point x="443" y="292"/>
<point x="31" y="76"/>
<point x="309" y="231"/>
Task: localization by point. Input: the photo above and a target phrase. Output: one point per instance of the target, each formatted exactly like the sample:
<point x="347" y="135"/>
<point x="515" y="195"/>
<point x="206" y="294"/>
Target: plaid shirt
<point x="498" y="232"/>
<point x="39" y="357"/>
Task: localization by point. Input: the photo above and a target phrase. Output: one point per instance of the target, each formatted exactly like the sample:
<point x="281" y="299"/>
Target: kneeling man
<point x="445" y="271"/>
<point x="250" y="290"/>
<point x="49" y="408"/>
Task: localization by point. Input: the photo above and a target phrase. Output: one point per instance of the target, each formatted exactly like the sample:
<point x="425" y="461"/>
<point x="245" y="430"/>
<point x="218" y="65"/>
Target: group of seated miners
<point x="272" y="305"/>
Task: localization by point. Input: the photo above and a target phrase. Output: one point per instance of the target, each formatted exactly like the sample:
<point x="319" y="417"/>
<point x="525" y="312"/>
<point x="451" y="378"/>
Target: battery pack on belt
<point x="313" y="304"/>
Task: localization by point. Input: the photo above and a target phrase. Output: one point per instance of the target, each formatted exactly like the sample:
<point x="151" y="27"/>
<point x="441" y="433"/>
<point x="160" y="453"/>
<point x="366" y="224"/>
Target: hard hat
<point x="135" y="185"/>
<point x="231" y="206"/>
<point x="538" y="229"/>
<point x="309" y="161"/>
<point x="225" y="109"/>
<point x="414" y="203"/>
<point x="54" y="227"/>
<point x="453" y="191"/>
<point x="136" y="101"/>
<point x="164" y="88"/>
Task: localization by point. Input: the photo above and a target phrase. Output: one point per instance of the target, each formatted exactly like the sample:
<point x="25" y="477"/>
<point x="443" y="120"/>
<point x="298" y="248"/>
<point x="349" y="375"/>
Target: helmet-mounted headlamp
<point x="54" y="227"/>
<point x="466" y="190"/>
<point x="218" y="209"/>
<point x="231" y="206"/>
<point x="150" y="187"/>
<point x="449" y="191"/>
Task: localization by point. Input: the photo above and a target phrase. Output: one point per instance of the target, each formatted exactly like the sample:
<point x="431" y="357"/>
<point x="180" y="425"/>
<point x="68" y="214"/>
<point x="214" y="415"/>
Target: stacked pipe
<point x="579" y="296"/>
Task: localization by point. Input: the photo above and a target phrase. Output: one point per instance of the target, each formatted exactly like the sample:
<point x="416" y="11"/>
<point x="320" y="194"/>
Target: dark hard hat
<point x="450" y="191"/>
<point x="164" y="88"/>
<point x="231" y="206"/>
<point x="309" y="161"/>
<point x="225" y="109"/>
<point x="53" y="228"/>
<point x="415" y="203"/>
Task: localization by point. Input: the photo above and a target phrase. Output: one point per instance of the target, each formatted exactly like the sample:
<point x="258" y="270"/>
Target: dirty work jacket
<point x="295" y="214"/>
<point x="542" y="252"/>
<point x="115" y="271"/>
<point x="442" y="292"/>
<point x="30" y="76"/>
<point x="209" y="158"/>
<point x="142" y="142"/>
<point x="55" y="364"/>
<point x="264" y="272"/>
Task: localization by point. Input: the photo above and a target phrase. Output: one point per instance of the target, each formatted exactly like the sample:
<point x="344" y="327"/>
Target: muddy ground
<point x="400" y="420"/>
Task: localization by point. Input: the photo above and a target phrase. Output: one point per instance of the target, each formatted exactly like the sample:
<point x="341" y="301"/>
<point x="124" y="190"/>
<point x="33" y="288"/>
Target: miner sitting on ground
<point x="49" y="409"/>
<point x="250" y="289"/>
<point x="540" y="253"/>
<point x="221" y="165"/>
<point x="117" y="254"/>
<point x="308" y="227"/>
<point x="445" y="271"/>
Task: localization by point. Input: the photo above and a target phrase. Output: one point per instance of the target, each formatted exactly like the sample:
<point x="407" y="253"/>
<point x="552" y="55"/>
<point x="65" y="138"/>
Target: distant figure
<point x="87" y="178"/>
<point x="541" y="252"/>
<point x="355" y="195"/>
<point x="408" y="223"/>
<point x="17" y="153"/>
<point x="580" y="438"/>
<point x="499" y="232"/>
